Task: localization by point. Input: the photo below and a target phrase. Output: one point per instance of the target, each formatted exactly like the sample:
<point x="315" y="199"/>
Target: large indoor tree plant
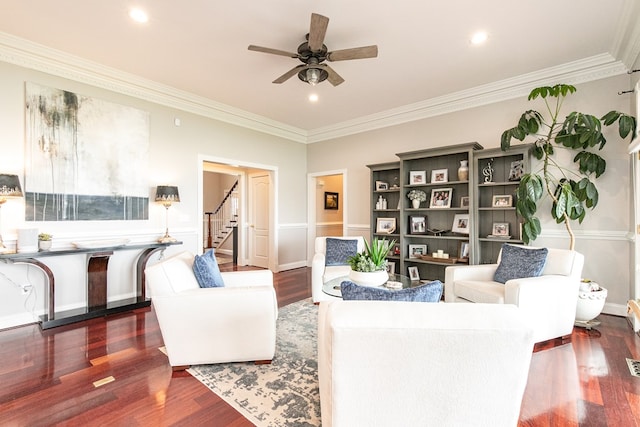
<point x="571" y="187"/>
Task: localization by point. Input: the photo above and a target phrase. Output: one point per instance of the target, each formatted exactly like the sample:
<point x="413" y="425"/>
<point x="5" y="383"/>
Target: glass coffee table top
<point x="332" y="287"/>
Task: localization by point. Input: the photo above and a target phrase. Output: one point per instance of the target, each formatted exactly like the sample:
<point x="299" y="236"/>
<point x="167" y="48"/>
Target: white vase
<point x="463" y="170"/>
<point x="415" y="203"/>
<point x="590" y="304"/>
<point x="373" y="278"/>
<point x="44" y="245"/>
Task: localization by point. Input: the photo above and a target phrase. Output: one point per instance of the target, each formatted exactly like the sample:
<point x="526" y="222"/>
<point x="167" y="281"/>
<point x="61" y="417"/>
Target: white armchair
<point x="548" y="301"/>
<point x="321" y="273"/>
<point x="234" y="323"/>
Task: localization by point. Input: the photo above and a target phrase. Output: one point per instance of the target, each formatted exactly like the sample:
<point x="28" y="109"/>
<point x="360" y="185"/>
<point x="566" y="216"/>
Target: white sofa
<point x="234" y="323"/>
<point x="383" y="363"/>
<point x="321" y="273"/>
<point x="548" y="301"/>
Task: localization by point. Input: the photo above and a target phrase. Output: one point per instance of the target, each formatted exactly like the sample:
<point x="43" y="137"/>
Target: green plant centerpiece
<point x="369" y="267"/>
<point x="45" y="237"/>
<point x="571" y="188"/>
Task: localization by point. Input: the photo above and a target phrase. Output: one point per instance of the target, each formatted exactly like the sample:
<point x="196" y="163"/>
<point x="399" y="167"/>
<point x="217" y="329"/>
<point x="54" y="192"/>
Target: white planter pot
<point x="374" y="278"/>
<point x="415" y="203"/>
<point x="590" y="305"/>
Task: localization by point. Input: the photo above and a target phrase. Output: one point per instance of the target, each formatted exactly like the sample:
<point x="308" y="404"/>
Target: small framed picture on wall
<point x="331" y="200"/>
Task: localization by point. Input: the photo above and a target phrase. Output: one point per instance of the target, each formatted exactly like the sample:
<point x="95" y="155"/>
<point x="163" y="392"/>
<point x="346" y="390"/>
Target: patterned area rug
<point x="284" y="393"/>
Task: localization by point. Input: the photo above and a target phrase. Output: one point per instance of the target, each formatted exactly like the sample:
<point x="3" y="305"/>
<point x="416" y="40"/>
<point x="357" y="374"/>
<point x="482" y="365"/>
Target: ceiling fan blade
<point x="334" y="78"/>
<point x="292" y="72"/>
<point x="272" y="51"/>
<point x="317" y="31"/>
<point x="353" y="53"/>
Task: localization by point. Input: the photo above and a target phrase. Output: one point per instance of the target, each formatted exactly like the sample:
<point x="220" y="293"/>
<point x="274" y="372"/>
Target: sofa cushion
<point x="429" y="292"/>
<point x="517" y="262"/>
<point x="339" y="250"/>
<point x="206" y="270"/>
<point x="479" y="291"/>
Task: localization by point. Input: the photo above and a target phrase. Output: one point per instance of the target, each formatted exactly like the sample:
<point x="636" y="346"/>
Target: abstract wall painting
<point x="86" y="159"/>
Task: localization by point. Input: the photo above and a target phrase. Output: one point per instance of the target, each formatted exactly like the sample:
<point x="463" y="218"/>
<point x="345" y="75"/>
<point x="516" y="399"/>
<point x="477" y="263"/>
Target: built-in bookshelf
<point x="385" y="207"/>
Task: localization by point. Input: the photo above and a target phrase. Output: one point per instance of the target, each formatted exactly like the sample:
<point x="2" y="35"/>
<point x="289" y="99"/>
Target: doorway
<point x="249" y="207"/>
<point x="327" y="206"/>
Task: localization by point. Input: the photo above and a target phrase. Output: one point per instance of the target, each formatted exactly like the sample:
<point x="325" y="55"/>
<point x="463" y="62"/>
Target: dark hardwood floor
<point x="53" y="377"/>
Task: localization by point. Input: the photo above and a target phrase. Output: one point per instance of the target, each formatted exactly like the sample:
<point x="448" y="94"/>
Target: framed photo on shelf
<point x="500" y="229"/>
<point x="441" y="198"/>
<point x="416" y="251"/>
<point x="418" y="224"/>
<point x="381" y="185"/>
<point x="417" y="177"/>
<point x="385" y="225"/>
<point x="413" y="273"/>
<point x="460" y="224"/>
<point x="439" y="175"/>
<point x="463" y="250"/>
<point x="331" y="200"/>
<point x="501" y="201"/>
<point x="516" y="171"/>
<point x="464" y="201"/>
<point x="391" y="267"/>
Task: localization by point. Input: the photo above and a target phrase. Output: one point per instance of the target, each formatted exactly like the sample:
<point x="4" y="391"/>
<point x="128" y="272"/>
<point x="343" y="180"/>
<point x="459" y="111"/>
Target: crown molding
<point x="581" y="71"/>
<point x="21" y="52"/>
<point x="626" y="45"/>
<point x="34" y="56"/>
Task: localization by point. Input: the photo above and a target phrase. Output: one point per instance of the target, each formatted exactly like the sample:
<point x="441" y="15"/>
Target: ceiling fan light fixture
<point x="313" y="76"/>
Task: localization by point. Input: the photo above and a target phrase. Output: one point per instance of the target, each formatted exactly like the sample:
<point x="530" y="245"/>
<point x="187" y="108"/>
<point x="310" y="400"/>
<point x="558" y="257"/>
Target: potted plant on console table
<point x="369" y="267"/>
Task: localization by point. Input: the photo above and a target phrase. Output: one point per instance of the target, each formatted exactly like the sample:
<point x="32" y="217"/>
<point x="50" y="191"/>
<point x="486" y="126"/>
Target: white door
<point x="259" y="220"/>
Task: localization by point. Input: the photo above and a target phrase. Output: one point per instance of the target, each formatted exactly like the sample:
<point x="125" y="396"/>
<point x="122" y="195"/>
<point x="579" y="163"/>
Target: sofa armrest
<point x="548" y="303"/>
<point x="247" y="278"/>
<point x="317" y="271"/>
<point x="530" y="292"/>
<point x="194" y="323"/>
<point x="482" y="272"/>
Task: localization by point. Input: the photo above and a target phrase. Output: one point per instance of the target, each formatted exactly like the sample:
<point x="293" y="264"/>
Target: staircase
<point x="219" y="224"/>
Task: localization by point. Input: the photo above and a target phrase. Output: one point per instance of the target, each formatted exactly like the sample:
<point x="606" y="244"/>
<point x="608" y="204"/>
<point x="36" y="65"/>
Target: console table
<point x="97" y="263"/>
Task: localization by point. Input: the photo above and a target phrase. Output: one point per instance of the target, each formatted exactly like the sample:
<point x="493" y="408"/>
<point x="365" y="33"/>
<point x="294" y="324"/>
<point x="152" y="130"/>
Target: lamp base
<point x="167" y="239"/>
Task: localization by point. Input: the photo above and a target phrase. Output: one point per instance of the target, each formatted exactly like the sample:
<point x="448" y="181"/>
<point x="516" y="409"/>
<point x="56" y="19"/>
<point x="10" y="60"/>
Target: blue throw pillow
<point x="339" y="250"/>
<point x="517" y="262"/>
<point x="206" y="270"/>
<point x="429" y="292"/>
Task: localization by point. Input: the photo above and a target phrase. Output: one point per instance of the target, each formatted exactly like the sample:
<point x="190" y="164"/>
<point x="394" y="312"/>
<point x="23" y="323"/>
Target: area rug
<point x="283" y="393"/>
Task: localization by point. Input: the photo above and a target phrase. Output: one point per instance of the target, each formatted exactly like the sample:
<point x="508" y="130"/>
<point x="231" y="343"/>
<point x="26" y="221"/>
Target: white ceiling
<point x="199" y="47"/>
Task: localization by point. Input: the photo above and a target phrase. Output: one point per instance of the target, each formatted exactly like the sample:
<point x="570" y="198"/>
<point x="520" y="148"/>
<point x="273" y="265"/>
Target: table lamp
<point x="9" y="189"/>
<point x="167" y="194"/>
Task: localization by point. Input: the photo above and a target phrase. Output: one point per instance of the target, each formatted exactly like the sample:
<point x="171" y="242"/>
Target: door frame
<point x="312" y="181"/>
<point x="243" y="168"/>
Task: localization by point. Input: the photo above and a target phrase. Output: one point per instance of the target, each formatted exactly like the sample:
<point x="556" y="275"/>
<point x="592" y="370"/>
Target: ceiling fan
<point x="313" y="53"/>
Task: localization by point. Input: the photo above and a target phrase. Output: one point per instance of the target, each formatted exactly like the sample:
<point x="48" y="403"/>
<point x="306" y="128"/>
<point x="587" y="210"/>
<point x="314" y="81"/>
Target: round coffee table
<point x="332" y="287"/>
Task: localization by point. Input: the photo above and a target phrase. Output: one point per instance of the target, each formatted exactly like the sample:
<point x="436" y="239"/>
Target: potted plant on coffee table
<point x="369" y="267"/>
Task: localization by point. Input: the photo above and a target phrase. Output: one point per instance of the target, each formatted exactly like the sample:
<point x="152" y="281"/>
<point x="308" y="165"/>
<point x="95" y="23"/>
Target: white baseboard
<point x="615" y="309"/>
<point x="292" y="265"/>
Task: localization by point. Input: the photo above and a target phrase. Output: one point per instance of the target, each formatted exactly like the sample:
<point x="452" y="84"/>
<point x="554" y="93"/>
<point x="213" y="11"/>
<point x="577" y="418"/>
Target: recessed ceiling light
<point x="313" y="97"/>
<point x="479" y="37"/>
<point x="138" y="15"/>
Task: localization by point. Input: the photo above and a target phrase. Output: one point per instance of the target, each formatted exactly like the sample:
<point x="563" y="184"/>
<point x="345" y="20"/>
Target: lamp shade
<point x="167" y="194"/>
<point x="10" y="186"/>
